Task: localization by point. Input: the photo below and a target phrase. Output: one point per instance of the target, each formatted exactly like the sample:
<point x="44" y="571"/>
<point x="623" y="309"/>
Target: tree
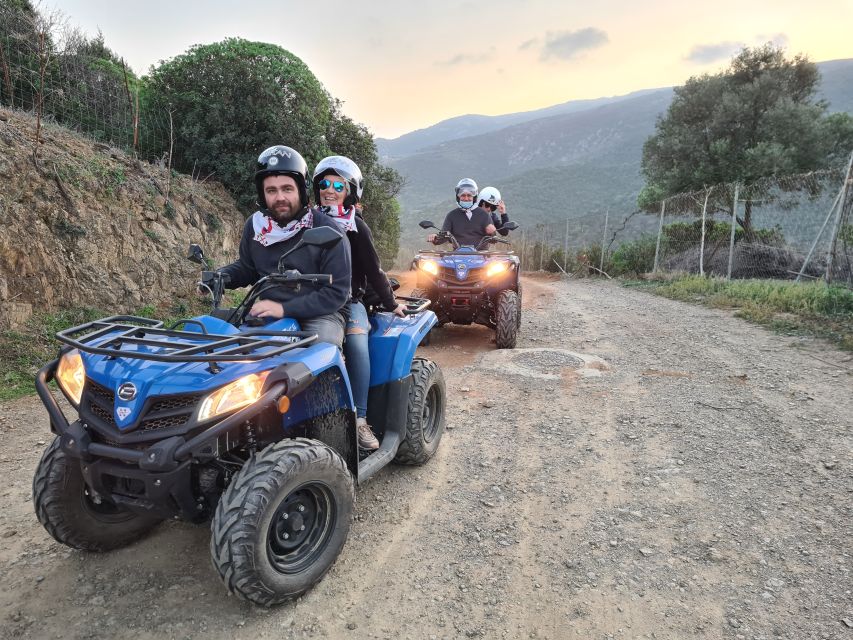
<point x="382" y="184"/>
<point x="93" y="90"/>
<point x="757" y="119"/>
<point x="233" y="99"/>
<point x="19" y="56"/>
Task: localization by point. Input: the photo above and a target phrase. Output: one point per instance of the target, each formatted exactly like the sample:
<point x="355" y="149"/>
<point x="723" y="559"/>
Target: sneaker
<point x="366" y="439"/>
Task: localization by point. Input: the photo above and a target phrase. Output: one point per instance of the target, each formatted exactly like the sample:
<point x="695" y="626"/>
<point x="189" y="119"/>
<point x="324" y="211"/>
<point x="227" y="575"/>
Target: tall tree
<point x="758" y="118"/>
<point x="231" y="100"/>
<point x="382" y="184"/>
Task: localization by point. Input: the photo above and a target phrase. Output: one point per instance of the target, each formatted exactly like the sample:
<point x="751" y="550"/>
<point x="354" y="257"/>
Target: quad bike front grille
<point x="160" y="412"/>
<point x="474" y="275"/>
<point x="100" y="391"/>
<point x="165" y="422"/>
<point x="174" y="402"/>
<point x="102" y="414"/>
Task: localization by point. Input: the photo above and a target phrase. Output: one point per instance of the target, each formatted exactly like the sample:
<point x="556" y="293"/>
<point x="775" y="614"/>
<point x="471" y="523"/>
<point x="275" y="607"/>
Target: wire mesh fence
<point x="54" y="71"/>
<point x="789" y="227"/>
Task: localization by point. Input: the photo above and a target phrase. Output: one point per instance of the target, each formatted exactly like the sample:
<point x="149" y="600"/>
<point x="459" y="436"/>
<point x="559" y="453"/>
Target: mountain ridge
<point x="559" y="166"/>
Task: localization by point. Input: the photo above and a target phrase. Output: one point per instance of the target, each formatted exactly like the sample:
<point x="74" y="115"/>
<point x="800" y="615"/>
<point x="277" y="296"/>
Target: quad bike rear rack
<point x="121" y="336"/>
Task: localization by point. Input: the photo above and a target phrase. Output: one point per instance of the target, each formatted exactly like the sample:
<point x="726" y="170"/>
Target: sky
<point x="400" y="65"/>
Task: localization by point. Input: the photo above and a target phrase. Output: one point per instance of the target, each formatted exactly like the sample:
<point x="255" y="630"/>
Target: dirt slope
<point x="82" y="224"/>
<point x="637" y="468"/>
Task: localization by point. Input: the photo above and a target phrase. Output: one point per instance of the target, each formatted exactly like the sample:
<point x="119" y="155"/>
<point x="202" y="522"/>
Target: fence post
<point x="542" y="248"/>
<point x="660" y="231"/>
<point x="830" y="256"/>
<point x="604" y="239"/>
<point x="732" y="238"/>
<point x="566" y="248"/>
<point x="819" y="234"/>
<point x="702" y="241"/>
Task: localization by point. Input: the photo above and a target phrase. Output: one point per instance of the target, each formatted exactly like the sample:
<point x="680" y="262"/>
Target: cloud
<point x="466" y="58"/>
<point x="707" y="53"/>
<point x="527" y="44"/>
<point x="779" y="39"/>
<point x="566" y="45"/>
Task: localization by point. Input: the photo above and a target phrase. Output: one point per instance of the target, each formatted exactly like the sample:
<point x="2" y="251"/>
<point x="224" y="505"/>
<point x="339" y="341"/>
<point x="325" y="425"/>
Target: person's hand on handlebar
<point x="399" y="309"/>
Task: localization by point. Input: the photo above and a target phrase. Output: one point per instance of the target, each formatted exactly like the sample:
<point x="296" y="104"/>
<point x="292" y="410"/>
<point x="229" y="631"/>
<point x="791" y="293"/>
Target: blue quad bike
<point x="249" y="427"/>
<point x="472" y="285"/>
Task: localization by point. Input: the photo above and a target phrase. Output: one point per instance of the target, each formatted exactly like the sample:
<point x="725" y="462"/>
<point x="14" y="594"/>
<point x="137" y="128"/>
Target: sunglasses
<point x="325" y="184"/>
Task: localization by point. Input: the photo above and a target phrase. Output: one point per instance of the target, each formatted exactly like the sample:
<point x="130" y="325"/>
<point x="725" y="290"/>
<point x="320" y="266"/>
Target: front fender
<point x="393" y="342"/>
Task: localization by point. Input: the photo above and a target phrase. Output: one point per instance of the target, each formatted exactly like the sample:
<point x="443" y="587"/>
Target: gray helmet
<point x="346" y="169"/>
<point x="282" y="161"/>
<point x="466" y="184"/>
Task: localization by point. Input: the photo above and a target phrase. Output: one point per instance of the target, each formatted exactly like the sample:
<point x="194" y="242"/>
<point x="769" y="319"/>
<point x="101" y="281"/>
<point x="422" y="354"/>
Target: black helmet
<point x="282" y="161"/>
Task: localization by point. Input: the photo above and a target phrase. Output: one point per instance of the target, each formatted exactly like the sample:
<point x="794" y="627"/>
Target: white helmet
<point x="491" y="196"/>
<point x="346" y="169"/>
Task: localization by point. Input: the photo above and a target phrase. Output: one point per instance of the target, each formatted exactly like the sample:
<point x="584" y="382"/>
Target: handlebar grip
<point x="316" y="278"/>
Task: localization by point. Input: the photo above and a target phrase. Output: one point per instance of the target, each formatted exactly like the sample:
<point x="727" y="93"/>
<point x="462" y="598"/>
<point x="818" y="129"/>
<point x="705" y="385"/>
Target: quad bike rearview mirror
<point x="426" y="224"/>
<point x="395" y="284"/>
<point x="323" y="237"/>
<point x="196" y="254"/>
<point x="510" y="226"/>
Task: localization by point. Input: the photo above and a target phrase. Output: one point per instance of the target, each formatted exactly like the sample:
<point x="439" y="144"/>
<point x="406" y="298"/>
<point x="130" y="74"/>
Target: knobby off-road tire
<point x="425" y="415"/>
<point x="506" y="319"/>
<point x="65" y="508"/>
<point x="282" y="521"/>
<point x="420" y="293"/>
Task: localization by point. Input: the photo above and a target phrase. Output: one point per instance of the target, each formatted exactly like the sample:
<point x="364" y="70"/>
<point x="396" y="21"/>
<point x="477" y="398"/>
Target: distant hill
<point x="474" y="124"/>
<point x="574" y="164"/>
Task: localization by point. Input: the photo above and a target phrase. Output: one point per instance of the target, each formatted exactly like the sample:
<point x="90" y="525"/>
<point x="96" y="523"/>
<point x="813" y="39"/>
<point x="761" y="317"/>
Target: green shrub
<point x="634" y="257"/>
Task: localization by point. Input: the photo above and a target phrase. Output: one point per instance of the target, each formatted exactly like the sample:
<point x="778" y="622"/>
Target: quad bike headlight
<point x="235" y="395"/>
<point x="429" y="266"/>
<point x="71" y="376"/>
<point x="495" y="268"/>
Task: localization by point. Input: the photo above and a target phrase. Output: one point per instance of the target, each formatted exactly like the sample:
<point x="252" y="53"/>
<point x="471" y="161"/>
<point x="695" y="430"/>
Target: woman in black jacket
<point x="338" y="187"/>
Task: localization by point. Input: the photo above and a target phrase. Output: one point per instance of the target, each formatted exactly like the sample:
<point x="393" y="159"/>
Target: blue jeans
<point x="357" y="356"/>
<point x="329" y="328"/>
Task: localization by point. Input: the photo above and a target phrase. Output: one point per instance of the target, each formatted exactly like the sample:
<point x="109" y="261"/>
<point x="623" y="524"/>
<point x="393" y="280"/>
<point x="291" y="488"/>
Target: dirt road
<point x="636" y="468"/>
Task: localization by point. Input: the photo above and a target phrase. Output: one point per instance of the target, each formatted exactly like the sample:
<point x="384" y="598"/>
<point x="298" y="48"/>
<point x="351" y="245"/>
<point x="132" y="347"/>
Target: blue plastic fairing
<point x="153" y="378"/>
<point x="392" y="343"/>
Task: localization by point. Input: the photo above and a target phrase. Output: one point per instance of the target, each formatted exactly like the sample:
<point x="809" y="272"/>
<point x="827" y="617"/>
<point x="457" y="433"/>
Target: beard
<point x="285" y="216"/>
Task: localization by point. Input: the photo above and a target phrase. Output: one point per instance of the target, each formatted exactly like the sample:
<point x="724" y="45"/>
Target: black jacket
<point x="467" y="231"/>
<point x="366" y="267"/>
<point x="499" y="220"/>
<point x="257" y="261"/>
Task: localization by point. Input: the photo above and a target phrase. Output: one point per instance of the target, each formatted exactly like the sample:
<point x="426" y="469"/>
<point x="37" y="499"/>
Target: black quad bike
<point x="472" y="285"/>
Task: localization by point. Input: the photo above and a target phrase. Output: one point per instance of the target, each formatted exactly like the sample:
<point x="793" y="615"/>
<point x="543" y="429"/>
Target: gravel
<point x="699" y="486"/>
